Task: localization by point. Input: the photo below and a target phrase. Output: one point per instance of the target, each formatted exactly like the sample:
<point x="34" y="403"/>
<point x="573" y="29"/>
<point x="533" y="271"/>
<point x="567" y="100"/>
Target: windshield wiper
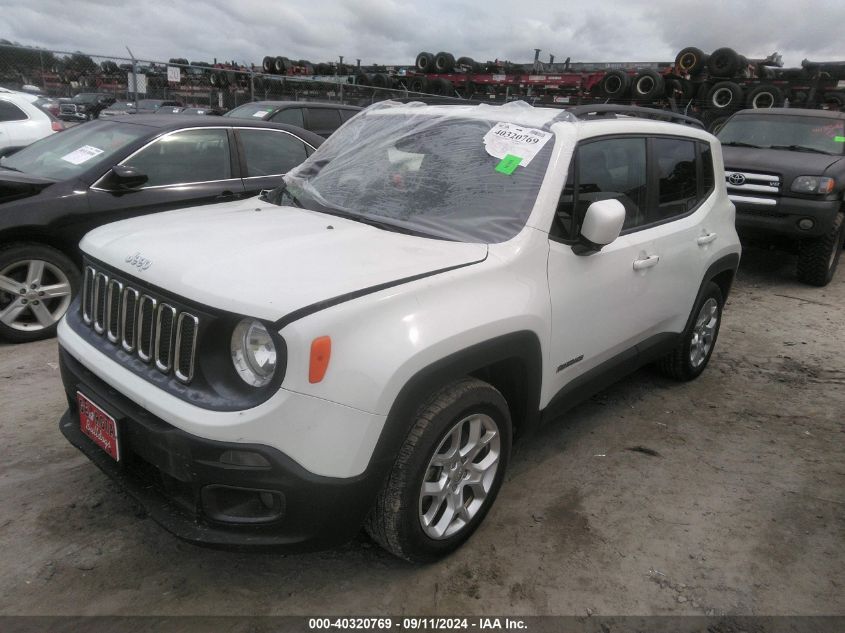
<point x="801" y="148"/>
<point x="274" y="196"/>
<point x="379" y="224"/>
<point x="741" y="144"/>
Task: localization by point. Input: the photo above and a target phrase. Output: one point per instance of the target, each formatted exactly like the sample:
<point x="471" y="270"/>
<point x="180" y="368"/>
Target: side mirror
<point x="602" y="224"/>
<point x="126" y="178"/>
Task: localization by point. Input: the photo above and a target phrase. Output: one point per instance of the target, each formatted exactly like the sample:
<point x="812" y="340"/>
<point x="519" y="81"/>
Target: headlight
<point x="812" y="184"/>
<point x="253" y="353"/>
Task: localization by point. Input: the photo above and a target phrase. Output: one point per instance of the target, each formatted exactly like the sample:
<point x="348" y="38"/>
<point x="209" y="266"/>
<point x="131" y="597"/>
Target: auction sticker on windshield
<point x="82" y="155"/>
<point x="505" y="139"/>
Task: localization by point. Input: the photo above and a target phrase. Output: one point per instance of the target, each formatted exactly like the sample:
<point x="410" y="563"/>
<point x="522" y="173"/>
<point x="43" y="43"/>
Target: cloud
<point x="393" y="32"/>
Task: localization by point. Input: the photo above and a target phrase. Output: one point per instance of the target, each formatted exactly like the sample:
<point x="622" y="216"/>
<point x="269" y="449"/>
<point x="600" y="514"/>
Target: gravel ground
<point x="721" y="496"/>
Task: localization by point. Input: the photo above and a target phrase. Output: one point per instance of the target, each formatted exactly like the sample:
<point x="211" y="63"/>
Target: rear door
<point x="184" y="168"/>
<point x="267" y="155"/>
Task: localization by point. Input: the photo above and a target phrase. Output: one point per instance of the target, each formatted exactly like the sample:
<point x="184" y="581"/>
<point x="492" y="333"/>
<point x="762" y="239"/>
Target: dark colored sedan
<point x="59" y="188"/>
<point x="320" y="118"/>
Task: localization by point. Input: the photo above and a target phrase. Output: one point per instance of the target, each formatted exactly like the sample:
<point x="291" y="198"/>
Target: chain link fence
<point x="213" y="85"/>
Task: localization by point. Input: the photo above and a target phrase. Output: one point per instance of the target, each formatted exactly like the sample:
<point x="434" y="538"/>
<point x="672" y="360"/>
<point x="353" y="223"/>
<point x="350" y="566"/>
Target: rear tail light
<point x="57" y="126"/>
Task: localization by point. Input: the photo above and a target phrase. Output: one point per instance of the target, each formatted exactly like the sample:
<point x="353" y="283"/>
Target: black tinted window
<point x="674" y="160"/>
<point x="611" y="169"/>
<point x="182" y="157"/>
<point x="291" y="116"/>
<point x="708" y="181"/>
<point x="11" y="112"/>
<point x="270" y="153"/>
<point x="345" y="115"/>
<point x="323" y="119"/>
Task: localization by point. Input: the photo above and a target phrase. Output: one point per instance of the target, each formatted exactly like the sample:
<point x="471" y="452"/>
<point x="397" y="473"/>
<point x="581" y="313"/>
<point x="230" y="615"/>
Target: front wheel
<point x="693" y="352"/>
<point x="818" y="258"/>
<point x="37" y="283"/>
<point x="447" y="473"/>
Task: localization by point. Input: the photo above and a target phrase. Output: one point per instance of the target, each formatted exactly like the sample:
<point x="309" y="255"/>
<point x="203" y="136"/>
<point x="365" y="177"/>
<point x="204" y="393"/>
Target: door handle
<point x="706" y="239"/>
<point x="648" y="262"/>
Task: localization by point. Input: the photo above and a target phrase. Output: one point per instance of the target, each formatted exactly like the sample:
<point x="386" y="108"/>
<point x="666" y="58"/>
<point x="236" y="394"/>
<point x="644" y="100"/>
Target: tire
<point x="396" y="521"/>
<point x="725" y="96"/>
<point x="702" y="91"/>
<point x="380" y="80"/>
<point x="615" y="84"/>
<point x="690" y="357"/>
<point x="444" y="62"/>
<point x="818" y="258"/>
<point x="20" y="320"/>
<point x="647" y="86"/>
<point x="834" y="100"/>
<point x="280" y="65"/>
<point x="465" y="63"/>
<point x="682" y="90"/>
<point x="715" y="121"/>
<point x="441" y="87"/>
<point x="724" y="62"/>
<point x="764" y="96"/>
<point x="362" y="79"/>
<point x="690" y="61"/>
<point x="425" y="62"/>
<point x="418" y="84"/>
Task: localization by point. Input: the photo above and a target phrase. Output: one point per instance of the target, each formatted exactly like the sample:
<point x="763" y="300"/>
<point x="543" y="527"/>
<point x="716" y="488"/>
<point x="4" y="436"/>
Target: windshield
<point x="423" y="173"/>
<point x="66" y="155"/>
<point x="150" y="104"/>
<point x="85" y="98"/>
<point x="250" y="110"/>
<point x="818" y="134"/>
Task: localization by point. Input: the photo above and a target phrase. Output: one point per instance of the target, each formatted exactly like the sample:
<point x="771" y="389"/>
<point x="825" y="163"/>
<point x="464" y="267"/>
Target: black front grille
<point x="156" y="331"/>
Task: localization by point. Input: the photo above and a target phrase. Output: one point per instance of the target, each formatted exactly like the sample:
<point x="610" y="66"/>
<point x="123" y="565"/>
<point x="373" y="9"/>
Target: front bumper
<point x="762" y="216"/>
<point x="180" y="480"/>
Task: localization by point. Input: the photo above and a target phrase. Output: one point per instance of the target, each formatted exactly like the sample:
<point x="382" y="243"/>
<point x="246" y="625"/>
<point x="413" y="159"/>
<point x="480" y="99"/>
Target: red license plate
<point x="98" y="425"/>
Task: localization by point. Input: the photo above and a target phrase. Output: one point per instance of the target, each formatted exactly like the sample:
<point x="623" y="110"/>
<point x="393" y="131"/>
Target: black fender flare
<point x="523" y="345"/>
<point x="725" y="263"/>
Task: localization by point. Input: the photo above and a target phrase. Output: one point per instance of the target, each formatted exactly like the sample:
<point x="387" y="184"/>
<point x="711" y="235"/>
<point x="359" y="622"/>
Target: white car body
<point x="425" y="301"/>
<point x="20" y="133"/>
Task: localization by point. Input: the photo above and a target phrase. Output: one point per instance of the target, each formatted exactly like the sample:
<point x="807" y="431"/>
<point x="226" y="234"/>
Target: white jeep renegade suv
<point x="358" y="347"/>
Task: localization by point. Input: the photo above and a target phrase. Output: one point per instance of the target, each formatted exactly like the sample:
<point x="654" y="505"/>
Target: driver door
<point x="600" y="303"/>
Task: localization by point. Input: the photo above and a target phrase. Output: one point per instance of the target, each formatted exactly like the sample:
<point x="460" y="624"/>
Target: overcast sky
<point x="393" y="32"/>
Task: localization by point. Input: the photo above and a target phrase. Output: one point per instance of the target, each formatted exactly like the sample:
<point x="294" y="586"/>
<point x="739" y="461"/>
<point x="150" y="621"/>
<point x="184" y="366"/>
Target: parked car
<point x="85" y="106"/>
<point x="358" y="346"/>
<point x="320" y="118"/>
<point x="151" y="106"/>
<point x="23" y="121"/>
<point x="118" y="108"/>
<point x="54" y="191"/>
<point x="786" y="175"/>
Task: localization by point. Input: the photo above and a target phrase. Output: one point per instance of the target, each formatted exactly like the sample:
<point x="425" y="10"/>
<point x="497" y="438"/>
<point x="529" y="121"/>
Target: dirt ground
<point x="720" y="496"/>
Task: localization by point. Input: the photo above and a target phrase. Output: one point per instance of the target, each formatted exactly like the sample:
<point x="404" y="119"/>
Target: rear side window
<point x="291" y="116"/>
<point x="708" y="181"/>
<point x="323" y="119"/>
<point x="10" y="112"/>
<point x="270" y="153"/>
<point x="345" y="115"/>
<point x="609" y="169"/>
<point x="674" y="162"/>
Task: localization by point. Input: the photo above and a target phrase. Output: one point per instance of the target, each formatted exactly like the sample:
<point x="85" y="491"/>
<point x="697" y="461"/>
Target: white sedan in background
<point x="22" y="121"/>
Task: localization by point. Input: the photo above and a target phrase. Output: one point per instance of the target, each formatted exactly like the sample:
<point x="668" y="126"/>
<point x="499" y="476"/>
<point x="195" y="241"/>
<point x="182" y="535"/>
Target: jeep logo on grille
<point x="141" y="263"/>
<point x="736" y="179"/>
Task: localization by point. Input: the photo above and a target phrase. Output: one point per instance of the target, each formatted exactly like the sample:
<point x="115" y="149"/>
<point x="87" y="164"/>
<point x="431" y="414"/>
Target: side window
<point x="708" y="181"/>
<point x="323" y="119"/>
<point x="609" y="169"/>
<point x="185" y="157"/>
<point x="345" y="115"/>
<point x="11" y="112"/>
<point x="291" y="116"/>
<point x="677" y="191"/>
<point x="270" y="153"/>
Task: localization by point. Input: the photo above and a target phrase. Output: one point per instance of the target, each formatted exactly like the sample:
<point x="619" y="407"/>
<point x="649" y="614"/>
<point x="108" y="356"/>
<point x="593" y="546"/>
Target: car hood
<point x="776" y="161"/>
<point x="258" y="259"/>
<point x="15" y="185"/>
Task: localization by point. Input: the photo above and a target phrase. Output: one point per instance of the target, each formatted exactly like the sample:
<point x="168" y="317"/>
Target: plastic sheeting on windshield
<point x="469" y="174"/>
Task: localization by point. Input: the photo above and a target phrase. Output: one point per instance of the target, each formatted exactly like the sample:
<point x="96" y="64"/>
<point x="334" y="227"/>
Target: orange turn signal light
<point x="321" y="352"/>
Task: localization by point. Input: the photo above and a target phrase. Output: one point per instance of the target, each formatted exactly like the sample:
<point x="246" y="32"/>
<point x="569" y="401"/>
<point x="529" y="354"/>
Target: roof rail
<point x="602" y="110"/>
